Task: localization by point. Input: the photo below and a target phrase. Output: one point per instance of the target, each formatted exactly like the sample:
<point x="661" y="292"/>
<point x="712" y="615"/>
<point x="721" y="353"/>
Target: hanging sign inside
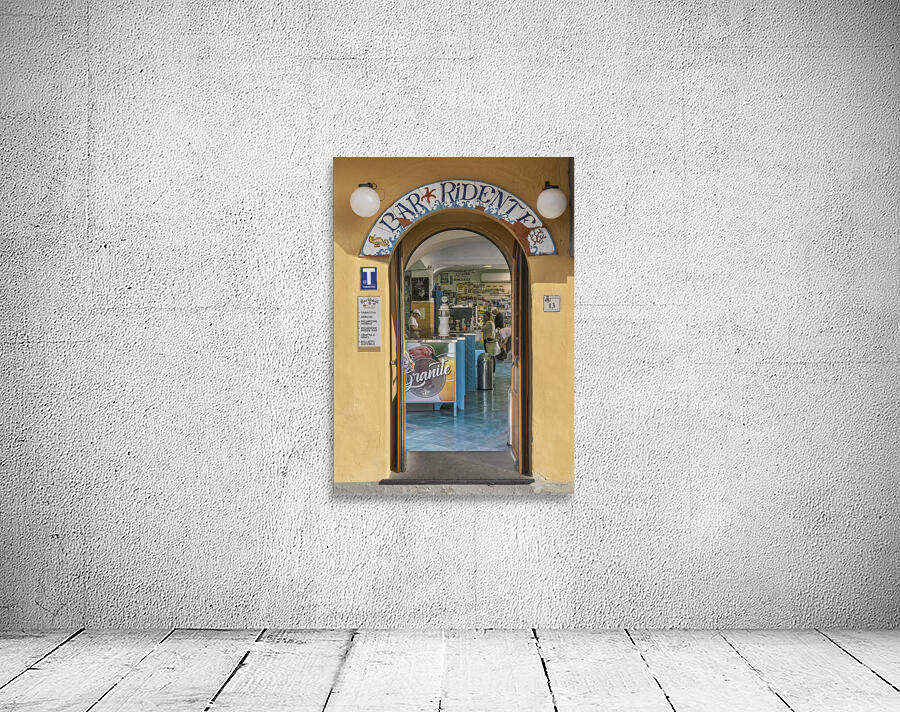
<point x="472" y="194"/>
<point x="369" y="323"/>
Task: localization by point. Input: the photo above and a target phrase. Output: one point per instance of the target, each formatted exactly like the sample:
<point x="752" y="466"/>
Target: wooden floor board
<point x="450" y="671"/>
<point x="599" y="670"/>
<point x="390" y="671"/>
<point x="879" y="650"/>
<point x="19" y="650"/>
<point x="78" y="673"/>
<point x="812" y="674"/>
<point x="494" y="671"/>
<point x="182" y="673"/>
<point x="700" y="672"/>
<point x="286" y="671"/>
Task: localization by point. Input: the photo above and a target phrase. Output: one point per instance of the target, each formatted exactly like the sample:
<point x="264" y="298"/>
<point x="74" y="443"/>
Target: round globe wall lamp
<point x="551" y="203"/>
<point x="364" y="201"/>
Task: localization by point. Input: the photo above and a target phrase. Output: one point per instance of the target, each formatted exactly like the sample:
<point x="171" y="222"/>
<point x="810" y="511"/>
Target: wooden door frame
<point x="397" y="270"/>
<point x="523" y="322"/>
<point x="398" y="376"/>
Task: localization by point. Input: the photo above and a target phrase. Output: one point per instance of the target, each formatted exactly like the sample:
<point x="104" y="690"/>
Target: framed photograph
<point x="427" y="393"/>
<point x="419" y="288"/>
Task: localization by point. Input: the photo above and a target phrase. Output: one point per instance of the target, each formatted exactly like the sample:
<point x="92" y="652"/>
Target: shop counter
<point x="462" y="372"/>
<point x="471" y="380"/>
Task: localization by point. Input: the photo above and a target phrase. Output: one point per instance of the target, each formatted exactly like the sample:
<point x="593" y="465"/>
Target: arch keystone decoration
<point x="459" y="193"/>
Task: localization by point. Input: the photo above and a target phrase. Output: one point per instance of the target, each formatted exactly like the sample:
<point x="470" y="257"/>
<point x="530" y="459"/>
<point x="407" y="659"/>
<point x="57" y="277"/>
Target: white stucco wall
<point x="166" y="246"/>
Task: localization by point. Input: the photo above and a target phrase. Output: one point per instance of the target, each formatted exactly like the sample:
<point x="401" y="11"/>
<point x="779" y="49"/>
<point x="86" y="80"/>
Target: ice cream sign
<point x="471" y="194"/>
<point x="430" y="372"/>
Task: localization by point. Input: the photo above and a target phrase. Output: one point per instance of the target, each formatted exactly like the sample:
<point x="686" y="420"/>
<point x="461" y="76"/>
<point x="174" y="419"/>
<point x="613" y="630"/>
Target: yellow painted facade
<point x="362" y="379"/>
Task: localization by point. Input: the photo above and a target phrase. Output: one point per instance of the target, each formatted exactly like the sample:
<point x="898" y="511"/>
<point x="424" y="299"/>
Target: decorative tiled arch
<point x="404" y="212"/>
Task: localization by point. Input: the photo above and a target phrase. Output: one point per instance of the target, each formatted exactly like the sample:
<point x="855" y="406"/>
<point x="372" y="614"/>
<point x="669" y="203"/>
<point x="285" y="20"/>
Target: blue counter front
<point x="471" y="381"/>
<point x="462" y="371"/>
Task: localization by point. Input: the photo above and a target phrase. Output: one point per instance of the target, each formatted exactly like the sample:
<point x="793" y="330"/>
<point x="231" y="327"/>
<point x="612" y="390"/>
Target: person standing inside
<point x="504" y="337"/>
<point x="498" y="319"/>
<point x="413" y="324"/>
<point x="489" y="337"/>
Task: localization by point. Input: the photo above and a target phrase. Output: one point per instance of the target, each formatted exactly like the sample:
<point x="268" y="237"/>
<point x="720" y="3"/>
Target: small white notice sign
<point x="551" y="302"/>
<point x="369" y="326"/>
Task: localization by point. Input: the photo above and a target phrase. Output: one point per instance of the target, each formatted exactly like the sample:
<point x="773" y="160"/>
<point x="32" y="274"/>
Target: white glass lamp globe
<point x="551" y="203"/>
<point x="364" y="201"/>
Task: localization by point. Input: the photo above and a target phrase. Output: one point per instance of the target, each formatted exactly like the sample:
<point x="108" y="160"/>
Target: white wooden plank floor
<point x="20" y="650"/>
<point x="450" y="671"/>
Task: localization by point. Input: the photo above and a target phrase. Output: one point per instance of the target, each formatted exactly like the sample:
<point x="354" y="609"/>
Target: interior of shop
<point x="457" y="386"/>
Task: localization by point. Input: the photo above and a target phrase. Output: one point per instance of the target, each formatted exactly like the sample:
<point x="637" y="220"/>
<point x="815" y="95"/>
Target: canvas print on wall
<point x="454" y="325"/>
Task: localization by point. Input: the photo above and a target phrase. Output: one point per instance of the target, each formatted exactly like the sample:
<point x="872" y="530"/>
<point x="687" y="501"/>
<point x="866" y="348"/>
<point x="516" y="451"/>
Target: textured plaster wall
<point x="166" y="246"/>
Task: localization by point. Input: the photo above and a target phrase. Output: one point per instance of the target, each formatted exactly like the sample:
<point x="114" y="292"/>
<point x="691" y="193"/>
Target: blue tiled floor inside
<point x="483" y="425"/>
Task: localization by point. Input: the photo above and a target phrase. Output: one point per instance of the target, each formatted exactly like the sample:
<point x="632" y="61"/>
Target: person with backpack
<point x="504" y="336"/>
<point x="489" y="337"/>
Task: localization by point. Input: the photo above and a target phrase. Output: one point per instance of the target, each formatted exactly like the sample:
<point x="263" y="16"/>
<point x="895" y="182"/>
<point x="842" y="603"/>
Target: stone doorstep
<point x="539" y="486"/>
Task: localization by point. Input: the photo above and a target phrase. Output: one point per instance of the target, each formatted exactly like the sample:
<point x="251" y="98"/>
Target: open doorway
<point x="460" y="343"/>
<point x="459" y="297"/>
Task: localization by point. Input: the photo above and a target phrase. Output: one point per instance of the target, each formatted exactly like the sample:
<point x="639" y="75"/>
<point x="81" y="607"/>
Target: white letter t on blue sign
<point x="368" y="278"/>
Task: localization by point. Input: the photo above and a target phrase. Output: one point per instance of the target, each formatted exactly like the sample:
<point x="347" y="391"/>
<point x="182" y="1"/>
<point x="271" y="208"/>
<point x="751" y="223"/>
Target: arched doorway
<point x="507" y="220"/>
<point x="426" y="266"/>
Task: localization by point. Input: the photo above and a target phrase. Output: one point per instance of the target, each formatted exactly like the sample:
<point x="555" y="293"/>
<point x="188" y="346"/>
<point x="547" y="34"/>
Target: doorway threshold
<point x="459" y="467"/>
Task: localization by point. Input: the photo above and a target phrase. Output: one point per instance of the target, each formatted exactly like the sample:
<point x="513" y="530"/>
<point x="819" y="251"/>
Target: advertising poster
<point x="430" y="372"/>
<point x="457" y="374"/>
